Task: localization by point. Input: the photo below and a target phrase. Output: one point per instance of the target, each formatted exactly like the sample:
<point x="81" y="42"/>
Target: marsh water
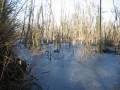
<point x="69" y="68"/>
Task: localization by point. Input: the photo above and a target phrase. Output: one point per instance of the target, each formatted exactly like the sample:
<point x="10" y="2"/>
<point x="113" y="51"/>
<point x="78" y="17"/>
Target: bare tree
<point x="29" y="32"/>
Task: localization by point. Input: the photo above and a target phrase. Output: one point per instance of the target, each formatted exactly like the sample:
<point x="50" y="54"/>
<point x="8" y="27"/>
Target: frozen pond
<point x="69" y="69"/>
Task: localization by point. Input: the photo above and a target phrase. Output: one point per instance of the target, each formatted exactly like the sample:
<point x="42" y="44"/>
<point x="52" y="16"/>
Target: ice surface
<point x="70" y="70"/>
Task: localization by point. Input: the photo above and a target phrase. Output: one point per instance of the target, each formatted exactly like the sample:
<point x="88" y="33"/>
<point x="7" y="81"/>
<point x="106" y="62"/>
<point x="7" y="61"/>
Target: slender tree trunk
<point x="100" y="45"/>
<point x="23" y="28"/>
<point x="28" y="34"/>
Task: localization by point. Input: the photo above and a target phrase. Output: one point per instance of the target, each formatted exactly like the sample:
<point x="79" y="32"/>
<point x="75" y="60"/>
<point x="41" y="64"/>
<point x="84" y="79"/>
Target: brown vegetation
<point x="12" y="69"/>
